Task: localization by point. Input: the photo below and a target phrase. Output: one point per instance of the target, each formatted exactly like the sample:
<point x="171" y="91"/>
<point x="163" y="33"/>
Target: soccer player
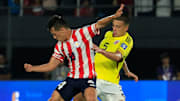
<point x="75" y="45"/>
<point x="110" y="58"/>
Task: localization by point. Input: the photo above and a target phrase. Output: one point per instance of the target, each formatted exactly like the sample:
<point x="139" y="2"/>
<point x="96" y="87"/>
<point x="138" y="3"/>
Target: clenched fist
<point x="28" y="67"/>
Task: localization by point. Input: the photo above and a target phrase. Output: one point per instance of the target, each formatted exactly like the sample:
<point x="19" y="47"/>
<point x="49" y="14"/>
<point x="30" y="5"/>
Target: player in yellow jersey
<point x="110" y="58"/>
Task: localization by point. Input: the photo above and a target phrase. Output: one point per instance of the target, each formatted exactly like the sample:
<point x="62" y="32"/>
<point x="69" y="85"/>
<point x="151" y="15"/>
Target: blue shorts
<point x="70" y="87"/>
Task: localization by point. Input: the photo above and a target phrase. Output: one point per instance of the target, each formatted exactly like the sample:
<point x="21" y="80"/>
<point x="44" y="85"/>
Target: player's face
<point x="60" y="34"/>
<point x="166" y="60"/>
<point x="119" y="28"/>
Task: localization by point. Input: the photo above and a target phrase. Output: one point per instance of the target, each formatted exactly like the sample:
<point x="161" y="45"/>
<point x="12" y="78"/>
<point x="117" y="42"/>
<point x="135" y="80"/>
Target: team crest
<point x="124" y="46"/>
<point x="77" y="44"/>
<point x="117" y="41"/>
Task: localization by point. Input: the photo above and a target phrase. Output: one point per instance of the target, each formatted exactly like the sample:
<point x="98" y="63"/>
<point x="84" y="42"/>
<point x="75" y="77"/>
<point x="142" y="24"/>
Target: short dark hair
<point x="125" y="19"/>
<point x="57" y="22"/>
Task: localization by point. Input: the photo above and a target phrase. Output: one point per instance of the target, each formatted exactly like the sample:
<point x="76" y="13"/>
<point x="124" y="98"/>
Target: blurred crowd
<point x="90" y="8"/>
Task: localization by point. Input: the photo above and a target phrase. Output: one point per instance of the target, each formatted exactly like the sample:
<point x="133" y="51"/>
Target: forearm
<point x="43" y="68"/>
<point x="113" y="56"/>
<point x="125" y="67"/>
<point x="104" y="21"/>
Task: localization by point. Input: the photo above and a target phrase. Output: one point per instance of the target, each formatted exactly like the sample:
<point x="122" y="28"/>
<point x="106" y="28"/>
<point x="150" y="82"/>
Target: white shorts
<point x="108" y="91"/>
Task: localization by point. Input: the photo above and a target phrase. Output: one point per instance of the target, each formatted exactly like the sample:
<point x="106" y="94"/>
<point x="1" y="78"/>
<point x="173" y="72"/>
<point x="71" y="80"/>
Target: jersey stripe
<point x="81" y="70"/>
<point x="86" y="42"/>
<point x="57" y="48"/>
<point x="62" y="49"/>
<point x="73" y="62"/>
<point x="90" y="31"/>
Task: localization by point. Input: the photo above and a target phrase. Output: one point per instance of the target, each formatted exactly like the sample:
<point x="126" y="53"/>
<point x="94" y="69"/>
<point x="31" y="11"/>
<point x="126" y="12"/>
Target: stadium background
<point x="24" y="39"/>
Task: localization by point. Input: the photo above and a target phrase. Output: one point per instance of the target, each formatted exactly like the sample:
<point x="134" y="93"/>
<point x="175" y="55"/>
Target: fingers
<point x="130" y="74"/>
<point x="94" y="45"/>
<point x="27" y="67"/>
<point x="135" y="79"/>
<point x="119" y="12"/>
<point x="98" y="32"/>
<point x="121" y="7"/>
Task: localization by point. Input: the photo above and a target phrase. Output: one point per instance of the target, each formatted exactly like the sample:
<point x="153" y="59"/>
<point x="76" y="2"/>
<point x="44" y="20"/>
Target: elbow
<point x="99" y="25"/>
<point x="51" y="67"/>
<point x="119" y="59"/>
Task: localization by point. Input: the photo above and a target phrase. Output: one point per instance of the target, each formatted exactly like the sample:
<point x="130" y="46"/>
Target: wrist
<point x="102" y="51"/>
<point x="113" y="16"/>
<point x="127" y="72"/>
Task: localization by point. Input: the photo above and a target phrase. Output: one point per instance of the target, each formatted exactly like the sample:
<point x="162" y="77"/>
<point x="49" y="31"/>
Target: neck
<point x="69" y="32"/>
<point x="166" y="65"/>
<point x="119" y="35"/>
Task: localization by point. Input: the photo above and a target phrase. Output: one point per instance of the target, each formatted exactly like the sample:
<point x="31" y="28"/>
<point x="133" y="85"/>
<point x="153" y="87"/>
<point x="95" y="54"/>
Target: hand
<point x="28" y="67"/>
<point x="97" y="49"/>
<point x="119" y="12"/>
<point x="98" y="31"/>
<point x="130" y="74"/>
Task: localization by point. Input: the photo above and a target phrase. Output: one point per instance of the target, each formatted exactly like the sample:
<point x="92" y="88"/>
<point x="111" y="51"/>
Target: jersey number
<point x="106" y="45"/>
<point x="61" y="85"/>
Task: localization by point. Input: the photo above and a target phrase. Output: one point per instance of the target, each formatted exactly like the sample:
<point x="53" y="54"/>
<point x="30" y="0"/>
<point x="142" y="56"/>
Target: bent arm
<point x="113" y="56"/>
<point x="128" y="73"/>
<point x="51" y="65"/>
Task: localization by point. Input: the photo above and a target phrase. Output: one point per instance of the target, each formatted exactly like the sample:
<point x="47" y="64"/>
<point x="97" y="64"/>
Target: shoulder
<point x="108" y="34"/>
<point x="128" y="39"/>
<point x="58" y="45"/>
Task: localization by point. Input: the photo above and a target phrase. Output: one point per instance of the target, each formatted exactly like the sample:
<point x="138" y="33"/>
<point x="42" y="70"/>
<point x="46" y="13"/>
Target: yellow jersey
<point x="106" y="68"/>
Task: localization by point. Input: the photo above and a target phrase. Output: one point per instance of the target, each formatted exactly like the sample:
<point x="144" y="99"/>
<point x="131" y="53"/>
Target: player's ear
<point x="126" y="28"/>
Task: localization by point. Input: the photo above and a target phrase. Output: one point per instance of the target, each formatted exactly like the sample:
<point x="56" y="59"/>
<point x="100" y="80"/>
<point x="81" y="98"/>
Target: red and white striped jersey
<point x="78" y="51"/>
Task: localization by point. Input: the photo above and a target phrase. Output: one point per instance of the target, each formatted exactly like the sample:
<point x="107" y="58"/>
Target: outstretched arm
<point x="51" y="65"/>
<point x="105" y="21"/>
<point x="128" y="73"/>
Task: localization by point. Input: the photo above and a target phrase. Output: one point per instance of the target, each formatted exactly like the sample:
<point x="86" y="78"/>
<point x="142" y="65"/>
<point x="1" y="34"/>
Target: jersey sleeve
<point x="125" y="47"/>
<point x="108" y="34"/>
<point x="90" y="30"/>
<point x="57" y="54"/>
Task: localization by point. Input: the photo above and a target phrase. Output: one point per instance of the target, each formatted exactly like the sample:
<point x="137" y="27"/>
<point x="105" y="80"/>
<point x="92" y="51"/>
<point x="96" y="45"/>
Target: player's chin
<point x="114" y="34"/>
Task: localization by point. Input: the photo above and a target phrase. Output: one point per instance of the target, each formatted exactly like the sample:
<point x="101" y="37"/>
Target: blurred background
<point x="154" y="26"/>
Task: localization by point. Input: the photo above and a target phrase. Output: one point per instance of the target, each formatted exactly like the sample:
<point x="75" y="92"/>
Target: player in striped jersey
<point x="75" y="45"/>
